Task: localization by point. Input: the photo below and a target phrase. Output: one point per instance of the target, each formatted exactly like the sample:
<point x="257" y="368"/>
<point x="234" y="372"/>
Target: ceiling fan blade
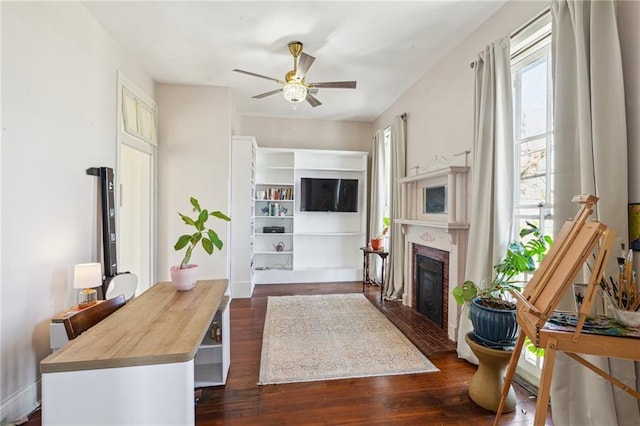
<point x="264" y="95"/>
<point x="259" y="76"/>
<point x="312" y="100"/>
<point x="304" y="63"/>
<point x="335" y="85"/>
<point x="313" y="91"/>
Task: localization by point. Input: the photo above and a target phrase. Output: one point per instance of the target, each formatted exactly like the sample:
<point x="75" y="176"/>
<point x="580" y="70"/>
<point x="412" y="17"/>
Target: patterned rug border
<point x="426" y="365"/>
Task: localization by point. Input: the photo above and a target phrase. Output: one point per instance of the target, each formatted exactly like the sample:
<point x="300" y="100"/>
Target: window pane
<point x="533" y="115"/>
<point x="533" y="158"/>
<point x="129" y="112"/>
<point x="533" y="190"/>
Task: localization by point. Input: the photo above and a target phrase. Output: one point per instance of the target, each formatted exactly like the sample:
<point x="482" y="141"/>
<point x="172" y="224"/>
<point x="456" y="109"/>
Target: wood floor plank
<point x="426" y="398"/>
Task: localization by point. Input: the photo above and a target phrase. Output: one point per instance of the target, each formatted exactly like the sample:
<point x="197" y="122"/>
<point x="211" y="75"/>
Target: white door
<point x="136" y="215"/>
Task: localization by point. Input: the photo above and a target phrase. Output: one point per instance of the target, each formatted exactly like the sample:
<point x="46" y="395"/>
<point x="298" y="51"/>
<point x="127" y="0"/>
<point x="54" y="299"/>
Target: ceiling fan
<point x="294" y="87"/>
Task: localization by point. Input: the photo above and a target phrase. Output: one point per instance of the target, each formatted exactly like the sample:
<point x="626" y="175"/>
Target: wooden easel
<point x="572" y="247"/>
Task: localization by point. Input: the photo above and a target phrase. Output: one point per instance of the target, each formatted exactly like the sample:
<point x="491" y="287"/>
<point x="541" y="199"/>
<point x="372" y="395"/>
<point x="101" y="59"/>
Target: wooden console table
<point x="366" y="279"/>
<point x="137" y="365"/>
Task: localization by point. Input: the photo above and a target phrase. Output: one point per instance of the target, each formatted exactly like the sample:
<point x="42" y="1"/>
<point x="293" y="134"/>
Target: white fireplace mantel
<point x="447" y="231"/>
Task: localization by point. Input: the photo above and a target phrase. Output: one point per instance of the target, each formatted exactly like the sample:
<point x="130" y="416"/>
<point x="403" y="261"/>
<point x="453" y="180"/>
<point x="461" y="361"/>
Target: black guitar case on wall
<point x="112" y="280"/>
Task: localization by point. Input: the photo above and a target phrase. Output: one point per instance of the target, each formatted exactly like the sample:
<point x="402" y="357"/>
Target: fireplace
<point x="431" y="283"/>
<point x="439" y="235"/>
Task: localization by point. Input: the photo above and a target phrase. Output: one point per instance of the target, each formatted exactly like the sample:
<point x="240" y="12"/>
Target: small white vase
<point x="184" y="279"/>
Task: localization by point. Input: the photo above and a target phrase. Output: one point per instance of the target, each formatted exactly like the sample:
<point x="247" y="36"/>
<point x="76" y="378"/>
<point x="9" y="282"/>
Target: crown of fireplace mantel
<point x="451" y="228"/>
<point x="436" y="199"/>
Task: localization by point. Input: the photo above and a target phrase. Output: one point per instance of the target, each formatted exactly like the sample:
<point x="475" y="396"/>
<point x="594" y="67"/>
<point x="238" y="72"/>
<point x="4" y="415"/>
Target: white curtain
<point x="590" y="157"/>
<point x="492" y="173"/>
<point x="394" y="283"/>
<point x="378" y="189"/>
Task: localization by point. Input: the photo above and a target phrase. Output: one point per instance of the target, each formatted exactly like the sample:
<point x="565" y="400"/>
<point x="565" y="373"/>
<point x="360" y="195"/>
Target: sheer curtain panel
<point x="394" y="283"/>
<point x="591" y="157"/>
<point x="492" y="173"/>
<point x="377" y="197"/>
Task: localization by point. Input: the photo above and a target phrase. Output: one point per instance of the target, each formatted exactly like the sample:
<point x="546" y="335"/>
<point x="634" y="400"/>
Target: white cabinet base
<point x="212" y="372"/>
<point x="157" y="394"/>
<point x="213" y="358"/>
<point x="242" y="289"/>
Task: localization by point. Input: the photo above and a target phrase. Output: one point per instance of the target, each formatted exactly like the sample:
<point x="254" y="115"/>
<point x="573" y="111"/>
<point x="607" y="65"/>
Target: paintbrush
<point x="621" y="290"/>
<point x="628" y="268"/>
<point x="607" y="292"/>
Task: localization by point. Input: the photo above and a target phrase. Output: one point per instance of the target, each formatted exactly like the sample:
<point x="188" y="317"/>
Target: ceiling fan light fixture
<point x="294" y="92"/>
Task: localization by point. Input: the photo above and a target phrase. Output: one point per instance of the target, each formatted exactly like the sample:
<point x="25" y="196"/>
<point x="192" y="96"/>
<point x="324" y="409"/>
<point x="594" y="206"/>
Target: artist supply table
<point x="575" y="336"/>
<point x="366" y="279"/>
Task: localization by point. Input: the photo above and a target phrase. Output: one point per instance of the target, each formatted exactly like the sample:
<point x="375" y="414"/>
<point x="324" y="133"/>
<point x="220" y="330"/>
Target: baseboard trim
<point x="314" y="275"/>
<point x="241" y="290"/>
<point x="21" y="403"/>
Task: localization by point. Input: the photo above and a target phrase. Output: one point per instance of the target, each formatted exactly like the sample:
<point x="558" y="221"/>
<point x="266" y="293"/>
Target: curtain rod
<point x="521" y="28"/>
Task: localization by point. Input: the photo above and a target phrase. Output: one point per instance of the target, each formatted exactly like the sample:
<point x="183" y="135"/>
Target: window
<point x="533" y="139"/>
<point x="138" y="117"/>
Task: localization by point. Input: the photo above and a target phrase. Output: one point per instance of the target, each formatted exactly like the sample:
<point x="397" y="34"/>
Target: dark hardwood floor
<point x="414" y="399"/>
<point x="429" y="399"/>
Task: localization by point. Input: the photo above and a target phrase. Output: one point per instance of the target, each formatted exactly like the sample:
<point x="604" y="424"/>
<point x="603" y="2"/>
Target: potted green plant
<point x="492" y="314"/>
<point x="376" y="242"/>
<point x="184" y="276"/>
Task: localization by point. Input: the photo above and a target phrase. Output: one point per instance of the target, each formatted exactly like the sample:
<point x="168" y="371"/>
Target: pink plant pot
<point x="184" y="279"/>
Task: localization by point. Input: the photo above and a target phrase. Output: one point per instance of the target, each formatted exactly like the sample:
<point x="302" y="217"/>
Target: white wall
<point x="58" y="119"/>
<point x="440" y="106"/>
<point x="193" y="160"/>
<point x="308" y="134"/>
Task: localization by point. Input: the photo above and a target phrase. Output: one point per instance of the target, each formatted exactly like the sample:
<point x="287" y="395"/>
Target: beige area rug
<point x="338" y="336"/>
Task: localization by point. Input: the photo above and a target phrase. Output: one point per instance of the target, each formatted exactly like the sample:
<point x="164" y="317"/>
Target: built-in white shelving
<point x="211" y="363"/>
<point x="318" y="246"/>
<point x="242" y="227"/>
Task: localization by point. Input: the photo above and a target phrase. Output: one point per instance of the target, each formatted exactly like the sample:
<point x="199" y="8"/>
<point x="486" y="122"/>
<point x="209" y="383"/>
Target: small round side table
<point x="486" y="385"/>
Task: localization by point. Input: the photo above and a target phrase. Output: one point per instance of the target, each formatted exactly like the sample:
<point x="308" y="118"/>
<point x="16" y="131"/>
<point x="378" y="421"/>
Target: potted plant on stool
<point x="493" y="316"/>
<point x="184" y="276"/>
<point x="491" y="312"/>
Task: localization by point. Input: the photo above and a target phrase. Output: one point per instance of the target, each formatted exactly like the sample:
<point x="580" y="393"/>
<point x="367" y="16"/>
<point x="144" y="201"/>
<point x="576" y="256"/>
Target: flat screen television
<point x="328" y="195"/>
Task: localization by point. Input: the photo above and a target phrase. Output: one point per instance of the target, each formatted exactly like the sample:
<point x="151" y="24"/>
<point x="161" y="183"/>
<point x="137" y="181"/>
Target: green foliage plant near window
<point x="522" y="256"/>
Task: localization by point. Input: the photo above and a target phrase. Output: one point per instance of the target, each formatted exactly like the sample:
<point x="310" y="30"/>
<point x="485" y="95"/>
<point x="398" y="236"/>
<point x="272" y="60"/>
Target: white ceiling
<point x="385" y="46"/>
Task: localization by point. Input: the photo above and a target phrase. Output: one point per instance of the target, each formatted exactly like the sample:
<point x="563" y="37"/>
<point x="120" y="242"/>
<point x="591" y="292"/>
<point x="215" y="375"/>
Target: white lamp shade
<point x="87" y="275"/>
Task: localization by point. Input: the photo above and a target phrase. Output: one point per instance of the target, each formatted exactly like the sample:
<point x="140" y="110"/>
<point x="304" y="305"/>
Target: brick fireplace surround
<point x="440" y="256"/>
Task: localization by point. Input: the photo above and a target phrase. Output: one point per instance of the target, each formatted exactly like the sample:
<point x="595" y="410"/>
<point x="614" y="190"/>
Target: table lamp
<point x="86" y="276"/>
